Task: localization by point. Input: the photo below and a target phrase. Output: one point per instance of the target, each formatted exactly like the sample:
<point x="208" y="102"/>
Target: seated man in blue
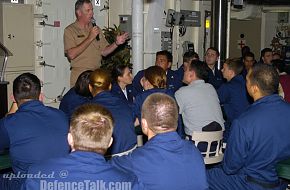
<point x="187" y="58"/>
<point x="215" y="76"/>
<point x="89" y="136"/>
<point x="163" y="60"/>
<point x="77" y="95"/>
<point x="248" y="62"/>
<point x="258" y="140"/>
<point x="233" y="94"/>
<point x="165" y="161"/>
<point x="122" y="83"/>
<point x="33" y="133"/>
<point x="124" y="133"/>
<point x="266" y="56"/>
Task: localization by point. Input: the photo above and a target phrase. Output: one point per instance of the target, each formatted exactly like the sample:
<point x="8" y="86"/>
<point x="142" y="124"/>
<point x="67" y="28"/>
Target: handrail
<point x="6" y="54"/>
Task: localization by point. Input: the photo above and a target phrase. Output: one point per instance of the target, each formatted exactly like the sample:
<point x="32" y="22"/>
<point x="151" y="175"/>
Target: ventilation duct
<point x="248" y="12"/>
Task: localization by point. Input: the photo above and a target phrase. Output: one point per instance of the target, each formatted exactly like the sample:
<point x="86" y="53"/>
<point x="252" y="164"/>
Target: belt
<point x="263" y="184"/>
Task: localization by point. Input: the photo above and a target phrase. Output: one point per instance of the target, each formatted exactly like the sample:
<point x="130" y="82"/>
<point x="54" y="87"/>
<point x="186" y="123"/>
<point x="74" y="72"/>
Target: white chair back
<point x="210" y="157"/>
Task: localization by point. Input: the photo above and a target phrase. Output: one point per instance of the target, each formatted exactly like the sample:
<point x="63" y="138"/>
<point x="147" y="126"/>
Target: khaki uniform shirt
<point x="90" y="58"/>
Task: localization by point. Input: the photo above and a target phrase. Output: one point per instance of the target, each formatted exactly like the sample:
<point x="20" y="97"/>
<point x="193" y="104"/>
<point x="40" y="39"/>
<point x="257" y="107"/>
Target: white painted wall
<point x="270" y="22"/>
<point x="56" y="79"/>
<point x="196" y="34"/>
<point x="270" y="25"/>
<point x="154" y="23"/>
<point x="119" y="7"/>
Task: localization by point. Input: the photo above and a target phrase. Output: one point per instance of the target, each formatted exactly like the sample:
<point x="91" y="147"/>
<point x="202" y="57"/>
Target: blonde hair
<point x="156" y="76"/>
<point x="91" y="127"/>
<point x="165" y="111"/>
<point x="100" y="80"/>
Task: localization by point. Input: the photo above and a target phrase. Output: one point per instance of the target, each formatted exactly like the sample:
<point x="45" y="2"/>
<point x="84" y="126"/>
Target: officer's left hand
<point x="122" y="38"/>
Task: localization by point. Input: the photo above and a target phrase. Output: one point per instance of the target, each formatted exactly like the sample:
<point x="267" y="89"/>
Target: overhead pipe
<point x="137" y="36"/>
<point x="219" y="10"/>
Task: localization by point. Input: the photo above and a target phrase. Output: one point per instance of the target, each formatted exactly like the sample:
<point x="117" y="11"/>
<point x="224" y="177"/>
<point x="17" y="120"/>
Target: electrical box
<point x="190" y="18"/>
<point x="188" y="46"/>
<point x="238" y="4"/>
<point x="166" y="42"/>
<point x="172" y="18"/>
<point x="126" y="23"/>
<point x="17" y="34"/>
<point x="183" y="18"/>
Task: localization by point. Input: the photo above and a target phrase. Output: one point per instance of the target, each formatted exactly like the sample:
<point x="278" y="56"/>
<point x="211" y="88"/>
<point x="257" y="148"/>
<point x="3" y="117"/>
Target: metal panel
<point x="17" y="35"/>
<point x="190" y="18"/>
<point x="126" y="24"/>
